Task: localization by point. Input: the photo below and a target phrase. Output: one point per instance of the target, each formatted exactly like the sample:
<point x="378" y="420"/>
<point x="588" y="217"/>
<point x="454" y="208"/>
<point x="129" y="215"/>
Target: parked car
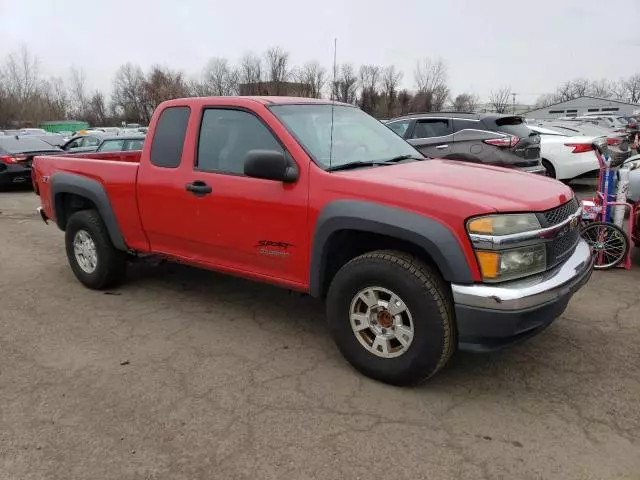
<point x="492" y="139"/>
<point x="16" y="155"/>
<point x="88" y="141"/>
<point x="611" y="122"/>
<point x="566" y="157"/>
<point x="53" y="139"/>
<point x="618" y="142"/>
<point x="123" y="143"/>
<point x="415" y="257"/>
<point x="108" y="130"/>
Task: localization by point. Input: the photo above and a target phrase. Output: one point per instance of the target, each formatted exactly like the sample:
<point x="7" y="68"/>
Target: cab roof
<point x="264" y="100"/>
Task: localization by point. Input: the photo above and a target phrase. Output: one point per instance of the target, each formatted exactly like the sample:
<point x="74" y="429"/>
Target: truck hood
<point x="482" y="187"/>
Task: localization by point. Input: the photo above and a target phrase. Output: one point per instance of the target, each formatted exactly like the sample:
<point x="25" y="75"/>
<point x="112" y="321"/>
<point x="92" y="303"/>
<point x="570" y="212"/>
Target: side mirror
<point x="270" y="165"/>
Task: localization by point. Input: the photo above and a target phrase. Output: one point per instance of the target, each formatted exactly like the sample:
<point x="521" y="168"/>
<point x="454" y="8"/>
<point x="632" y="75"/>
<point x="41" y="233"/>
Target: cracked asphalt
<point x="187" y="374"/>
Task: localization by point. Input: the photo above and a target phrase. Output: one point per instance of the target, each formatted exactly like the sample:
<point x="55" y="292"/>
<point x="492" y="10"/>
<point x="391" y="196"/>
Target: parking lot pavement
<point x="186" y="374"/>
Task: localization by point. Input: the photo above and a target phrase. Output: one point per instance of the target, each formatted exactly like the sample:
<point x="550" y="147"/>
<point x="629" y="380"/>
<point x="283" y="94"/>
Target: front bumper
<point x="490" y="317"/>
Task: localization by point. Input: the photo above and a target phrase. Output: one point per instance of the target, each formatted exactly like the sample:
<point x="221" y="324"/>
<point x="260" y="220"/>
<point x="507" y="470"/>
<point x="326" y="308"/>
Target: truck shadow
<point x="277" y="310"/>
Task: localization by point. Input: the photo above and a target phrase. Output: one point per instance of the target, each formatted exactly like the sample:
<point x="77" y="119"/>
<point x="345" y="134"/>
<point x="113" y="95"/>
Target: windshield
<point x="357" y="137"/>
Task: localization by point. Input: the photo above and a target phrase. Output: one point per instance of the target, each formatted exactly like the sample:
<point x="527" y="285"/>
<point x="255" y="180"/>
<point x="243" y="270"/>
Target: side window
<point x="226" y="136"/>
<point x="111" y="146"/>
<point x="133" y="145"/>
<point x="434" y="127"/>
<point x="168" y="139"/>
<point x="75" y="144"/>
<point x="462" y="124"/>
<point x="90" y="142"/>
<point x="399" y="127"/>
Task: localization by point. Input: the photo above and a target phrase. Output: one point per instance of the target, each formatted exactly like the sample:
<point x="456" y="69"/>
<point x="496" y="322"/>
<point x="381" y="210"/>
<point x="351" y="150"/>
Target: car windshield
<point x="356" y="136"/>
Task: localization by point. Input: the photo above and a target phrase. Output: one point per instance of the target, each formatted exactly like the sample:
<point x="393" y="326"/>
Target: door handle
<point x="198" y="188"/>
<point x="442" y="147"/>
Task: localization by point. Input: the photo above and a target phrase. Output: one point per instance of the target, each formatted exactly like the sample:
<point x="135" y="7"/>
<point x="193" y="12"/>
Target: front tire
<point x="91" y="254"/>
<point x="551" y="172"/>
<point x="391" y="317"/>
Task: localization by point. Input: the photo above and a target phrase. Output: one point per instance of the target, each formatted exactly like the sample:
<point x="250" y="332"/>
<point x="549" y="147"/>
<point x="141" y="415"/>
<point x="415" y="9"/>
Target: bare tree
<point x="250" y="74"/>
<point x="600" y="88"/>
<point x="404" y="101"/>
<point x="96" y="113"/>
<point x="431" y="80"/>
<point x="465" y="102"/>
<point x="278" y="71"/>
<point x="160" y="85"/>
<point x="55" y="98"/>
<point x="345" y="87"/>
<point x="128" y="96"/>
<point x="545" y="100"/>
<point x="219" y="78"/>
<point x="632" y="89"/>
<point x="22" y="79"/>
<point x="390" y="81"/>
<point x="499" y="99"/>
<point x="369" y="80"/>
<point x="77" y="88"/>
<point x="312" y="77"/>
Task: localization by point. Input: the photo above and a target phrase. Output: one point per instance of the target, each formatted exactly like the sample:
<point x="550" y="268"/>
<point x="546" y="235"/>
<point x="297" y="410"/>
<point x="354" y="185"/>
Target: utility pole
<point x="514" y="102"/>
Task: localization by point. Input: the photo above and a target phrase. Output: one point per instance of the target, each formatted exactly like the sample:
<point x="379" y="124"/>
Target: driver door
<point x="245" y="224"/>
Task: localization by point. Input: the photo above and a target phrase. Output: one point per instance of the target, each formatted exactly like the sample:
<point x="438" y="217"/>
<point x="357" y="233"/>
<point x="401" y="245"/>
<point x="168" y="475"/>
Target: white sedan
<point x="566" y="157"/>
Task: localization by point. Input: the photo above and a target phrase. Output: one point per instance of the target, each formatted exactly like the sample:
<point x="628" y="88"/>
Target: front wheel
<point x="608" y="243"/>
<point x="92" y="256"/>
<point x="391" y="317"/>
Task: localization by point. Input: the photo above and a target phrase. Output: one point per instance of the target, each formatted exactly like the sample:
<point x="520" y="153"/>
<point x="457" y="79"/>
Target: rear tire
<point x="391" y="316"/>
<point x="91" y="254"/>
<point x="551" y="172"/>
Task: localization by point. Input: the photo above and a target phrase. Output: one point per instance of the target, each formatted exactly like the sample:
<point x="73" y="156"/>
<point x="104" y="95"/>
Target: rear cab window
<point x="169" y="135"/>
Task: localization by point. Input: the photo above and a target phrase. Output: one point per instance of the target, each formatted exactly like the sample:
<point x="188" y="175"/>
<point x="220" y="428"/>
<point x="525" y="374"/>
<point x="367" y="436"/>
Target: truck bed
<point x="117" y="177"/>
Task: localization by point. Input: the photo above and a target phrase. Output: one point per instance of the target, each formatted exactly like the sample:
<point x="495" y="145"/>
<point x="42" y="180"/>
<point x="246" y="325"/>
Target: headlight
<point x="503" y="224"/>
<point x="501" y="265"/>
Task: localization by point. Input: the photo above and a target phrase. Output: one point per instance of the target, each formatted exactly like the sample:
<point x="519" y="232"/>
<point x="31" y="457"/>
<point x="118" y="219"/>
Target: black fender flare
<point x="435" y="238"/>
<point x="91" y="190"/>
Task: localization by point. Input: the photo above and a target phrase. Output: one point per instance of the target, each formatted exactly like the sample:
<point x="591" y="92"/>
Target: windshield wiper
<point x="399" y="158"/>
<point x="371" y="163"/>
<point x="358" y="164"/>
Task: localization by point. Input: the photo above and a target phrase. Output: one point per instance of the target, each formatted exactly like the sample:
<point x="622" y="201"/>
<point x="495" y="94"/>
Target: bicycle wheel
<point x="608" y="243"/>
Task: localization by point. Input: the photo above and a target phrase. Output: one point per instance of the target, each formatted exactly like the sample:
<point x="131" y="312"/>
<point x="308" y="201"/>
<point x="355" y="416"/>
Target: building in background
<point x="64" y="126"/>
<point x="582" y="105"/>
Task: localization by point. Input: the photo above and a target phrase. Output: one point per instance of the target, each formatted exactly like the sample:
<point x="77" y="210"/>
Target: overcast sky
<point x="531" y="46"/>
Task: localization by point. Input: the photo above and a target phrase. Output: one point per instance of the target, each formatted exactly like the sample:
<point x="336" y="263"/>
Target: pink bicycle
<point x="609" y="243"/>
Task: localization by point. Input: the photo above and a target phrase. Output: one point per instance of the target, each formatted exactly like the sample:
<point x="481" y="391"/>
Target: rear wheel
<point x="391" y="317"/>
<point x="608" y="242"/>
<point x="551" y="172"/>
<point x="91" y="254"/>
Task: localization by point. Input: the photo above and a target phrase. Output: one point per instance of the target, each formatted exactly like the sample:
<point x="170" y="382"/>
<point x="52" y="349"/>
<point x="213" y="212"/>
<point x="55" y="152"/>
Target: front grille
<point x="564" y="244"/>
<point x="562" y="247"/>
<point x="560" y="214"/>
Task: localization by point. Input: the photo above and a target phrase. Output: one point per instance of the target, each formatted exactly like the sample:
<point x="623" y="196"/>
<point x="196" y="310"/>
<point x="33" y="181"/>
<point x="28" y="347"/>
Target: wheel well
<point x="69" y="203"/>
<point x="345" y="245"/>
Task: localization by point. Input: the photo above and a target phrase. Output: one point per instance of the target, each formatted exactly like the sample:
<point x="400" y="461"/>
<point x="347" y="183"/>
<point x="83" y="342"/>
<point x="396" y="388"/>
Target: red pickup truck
<point x="415" y="257"/>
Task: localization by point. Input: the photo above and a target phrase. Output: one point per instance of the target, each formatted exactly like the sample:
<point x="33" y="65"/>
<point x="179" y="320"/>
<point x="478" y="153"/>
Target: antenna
<point x="333" y="100"/>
